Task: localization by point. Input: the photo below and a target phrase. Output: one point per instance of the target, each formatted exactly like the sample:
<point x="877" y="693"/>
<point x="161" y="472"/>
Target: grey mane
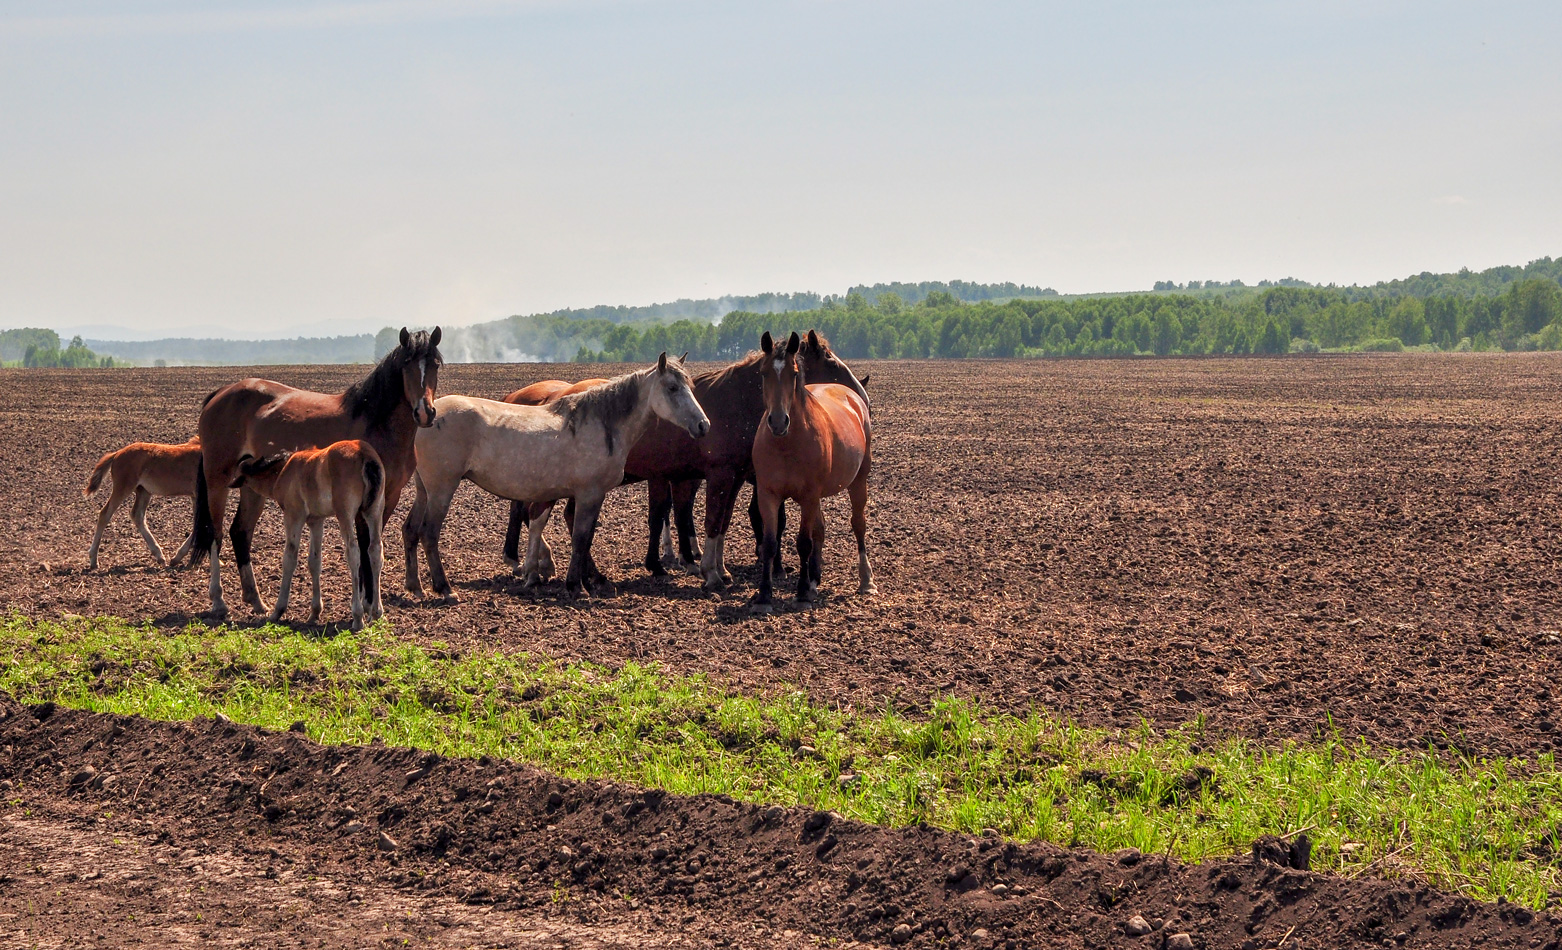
<point x="609" y="403"/>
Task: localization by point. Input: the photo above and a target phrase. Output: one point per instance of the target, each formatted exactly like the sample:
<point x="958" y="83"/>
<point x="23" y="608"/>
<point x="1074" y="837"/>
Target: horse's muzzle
<point x="779" y="426"/>
<point x="699" y="429"/>
<point x="423" y="415"/>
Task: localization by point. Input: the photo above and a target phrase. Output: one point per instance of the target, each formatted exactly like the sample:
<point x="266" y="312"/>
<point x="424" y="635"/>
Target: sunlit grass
<point x="1487" y="828"/>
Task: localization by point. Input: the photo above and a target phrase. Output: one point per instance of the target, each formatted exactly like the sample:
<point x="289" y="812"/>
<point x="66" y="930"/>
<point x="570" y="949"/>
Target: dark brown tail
<point x="205" y="529"/>
<point x="374" y="479"/>
<point x="101" y="469"/>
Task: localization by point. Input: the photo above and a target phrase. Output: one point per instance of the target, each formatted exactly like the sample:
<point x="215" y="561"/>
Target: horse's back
<point x="257" y="416"/>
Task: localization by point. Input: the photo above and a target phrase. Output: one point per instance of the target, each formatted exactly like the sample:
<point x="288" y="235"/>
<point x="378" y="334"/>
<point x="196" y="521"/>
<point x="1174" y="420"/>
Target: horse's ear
<point x="864" y="380"/>
<point x="813" y="341"/>
<point x="684" y="358"/>
<point x="661" y="362"/>
<point x="433" y="338"/>
<point x="792" y="343"/>
<point x="406" y="337"/>
<point x="766" y="343"/>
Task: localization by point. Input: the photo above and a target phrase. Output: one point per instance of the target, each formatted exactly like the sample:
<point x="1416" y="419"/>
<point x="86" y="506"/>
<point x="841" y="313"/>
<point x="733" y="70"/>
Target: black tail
<point x="374" y="477"/>
<point x="205" y="529"/>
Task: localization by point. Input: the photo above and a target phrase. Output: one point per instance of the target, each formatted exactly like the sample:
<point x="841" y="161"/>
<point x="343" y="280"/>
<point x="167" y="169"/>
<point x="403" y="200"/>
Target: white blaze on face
<point x="780" y="365"/>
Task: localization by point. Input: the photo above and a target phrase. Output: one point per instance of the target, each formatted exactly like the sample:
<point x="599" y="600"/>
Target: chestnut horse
<point x="573" y="447"/>
<point x="813" y="442"/>
<point x="146" y="470"/>
<point x="681" y="495"/>
<point x="259" y="418"/>
<point x="345" y="480"/>
<point x="674" y="463"/>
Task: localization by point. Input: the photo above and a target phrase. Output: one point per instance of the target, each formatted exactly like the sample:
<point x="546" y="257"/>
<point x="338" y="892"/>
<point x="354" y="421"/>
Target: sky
<point x="302" y="168"/>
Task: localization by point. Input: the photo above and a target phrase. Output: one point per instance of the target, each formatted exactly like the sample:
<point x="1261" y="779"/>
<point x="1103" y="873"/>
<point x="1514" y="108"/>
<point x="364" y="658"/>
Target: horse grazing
<point x="259" y="418"/>
<point x="146" y="470"/>
<point x="345" y="480"/>
<point x="574" y="447"/>
<point x="813" y="442"/>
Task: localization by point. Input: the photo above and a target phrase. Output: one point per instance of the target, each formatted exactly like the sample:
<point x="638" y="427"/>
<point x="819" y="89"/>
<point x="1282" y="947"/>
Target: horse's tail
<point x="205" y="528"/>
<point x="98" y="471"/>
<point x="372" y="507"/>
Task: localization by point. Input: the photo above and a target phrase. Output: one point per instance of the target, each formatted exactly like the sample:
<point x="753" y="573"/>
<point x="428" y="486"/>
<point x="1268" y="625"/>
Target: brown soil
<point x="1268" y="543"/>
<point x="119" y="831"/>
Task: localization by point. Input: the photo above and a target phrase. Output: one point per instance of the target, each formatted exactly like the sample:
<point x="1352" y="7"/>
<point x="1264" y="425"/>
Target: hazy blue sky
<point x="263" y="166"/>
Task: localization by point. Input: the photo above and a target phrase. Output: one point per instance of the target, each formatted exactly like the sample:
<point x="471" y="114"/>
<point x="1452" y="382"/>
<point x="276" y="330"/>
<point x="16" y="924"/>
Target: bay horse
<point x="679" y="495"/>
<point x="345" y="480"/>
<point x="815" y="440"/>
<point x="673" y="463"/>
<point x="258" y="418"/>
<point x="574" y="447"/>
<point x="145" y="470"/>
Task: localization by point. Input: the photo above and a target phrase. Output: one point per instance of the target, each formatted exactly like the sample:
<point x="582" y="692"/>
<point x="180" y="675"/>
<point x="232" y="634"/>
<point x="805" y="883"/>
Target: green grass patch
<point x="1488" y="828"/>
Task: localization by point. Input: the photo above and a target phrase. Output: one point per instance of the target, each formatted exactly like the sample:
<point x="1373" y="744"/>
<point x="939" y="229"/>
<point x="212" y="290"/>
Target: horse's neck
<point x="639" y="419"/>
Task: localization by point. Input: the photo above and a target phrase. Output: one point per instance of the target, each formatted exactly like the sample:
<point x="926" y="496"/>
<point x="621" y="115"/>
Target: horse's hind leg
<point x="433" y="527"/>
<point x="769" y="505"/>
<point x="354" y="556"/>
<point x="138" y="515"/>
<point x="512" y="534"/>
<point x="721" y="489"/>
<point x="376" y="562"/>
<point x="811" y="530"/>
<point x="241" y="533"/>
<point x="581" y="570"/>
<point x="115" y="499"/>
<point x="777" y="565"/>
<point x="859" y="497"/>
<point x="538" y="565"/>
<point x="316" y="537"/>
<point x="658" y="507"/>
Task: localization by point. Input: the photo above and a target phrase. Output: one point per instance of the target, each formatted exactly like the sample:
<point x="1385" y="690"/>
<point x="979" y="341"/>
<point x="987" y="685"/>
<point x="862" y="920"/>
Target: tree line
<point x="1527" y="315"/>
<point x="33" y="347"/>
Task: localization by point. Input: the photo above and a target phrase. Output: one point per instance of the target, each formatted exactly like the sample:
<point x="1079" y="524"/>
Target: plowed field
<point x="1276" y="545"/>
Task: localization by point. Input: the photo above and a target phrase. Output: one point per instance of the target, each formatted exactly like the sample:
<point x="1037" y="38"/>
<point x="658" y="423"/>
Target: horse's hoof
<point x="219" y="613"/>
<point x="447" y="599"/>
<point x="656" y="568"/>
<point x="714" y="584"/>
<point x="870" y="589"/>
<point x="356" y="625"/>
<point x="512" y="563"/>
<point x="761" y="610"/>
<point x="275" y="615"/>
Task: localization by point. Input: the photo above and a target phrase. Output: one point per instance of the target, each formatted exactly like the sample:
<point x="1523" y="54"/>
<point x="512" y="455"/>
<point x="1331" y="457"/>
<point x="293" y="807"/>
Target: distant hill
<point x="191" y="352"/>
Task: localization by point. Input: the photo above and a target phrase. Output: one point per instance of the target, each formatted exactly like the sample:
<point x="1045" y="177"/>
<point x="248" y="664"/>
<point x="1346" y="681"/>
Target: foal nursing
<point x="345" y="480"/>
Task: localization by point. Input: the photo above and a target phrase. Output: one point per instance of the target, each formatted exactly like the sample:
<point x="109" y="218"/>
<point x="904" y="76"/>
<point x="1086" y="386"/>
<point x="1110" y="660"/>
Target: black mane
<point x="377" y="395"/>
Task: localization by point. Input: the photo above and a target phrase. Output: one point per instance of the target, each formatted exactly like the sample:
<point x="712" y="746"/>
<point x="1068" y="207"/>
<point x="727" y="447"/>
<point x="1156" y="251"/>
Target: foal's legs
<point x="344" y="522"/>
<point x="293" y="530"/>
<point x="115" y="499"/>
<point x="531" y="570"/>
<point x="138" y="515"/>
<point x="241" y="532"/>
<point x="316" y="531"/>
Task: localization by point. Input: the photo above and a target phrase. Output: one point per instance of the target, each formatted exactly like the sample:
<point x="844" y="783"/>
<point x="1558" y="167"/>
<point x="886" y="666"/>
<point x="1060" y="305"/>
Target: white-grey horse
<point x="574" y="447"/>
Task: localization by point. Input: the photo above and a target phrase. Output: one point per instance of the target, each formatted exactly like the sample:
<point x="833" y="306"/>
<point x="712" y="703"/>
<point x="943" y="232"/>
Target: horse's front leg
<point x="433" y="527"/>
<point x="659" y="505"/>
<point x="115" y="499"/>
<point x="512" y="534"/>
<point x="577" y="580"/>
<point x="721" y="487"/>
<point x="538" y="565"/>
<point x="683" y="515"/>
<point x="810" y="549"/>
<point x="769" y="506"/>
<point x="411" y="534"/>
<point x="293" y="530"/>
<point x="241" y="533"/>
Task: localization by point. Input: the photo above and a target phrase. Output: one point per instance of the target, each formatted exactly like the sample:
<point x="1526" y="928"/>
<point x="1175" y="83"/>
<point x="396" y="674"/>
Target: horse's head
<point x="261" y="471"/>
<point x="420" y="363"/>
<point x="782" y="381"/>
<point x="820" y="365"/>
<point x="672" y="398"/>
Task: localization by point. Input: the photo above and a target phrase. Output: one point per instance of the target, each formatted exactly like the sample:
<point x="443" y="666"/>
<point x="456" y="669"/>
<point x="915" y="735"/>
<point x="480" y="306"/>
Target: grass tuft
<point x="1487" y="828"/>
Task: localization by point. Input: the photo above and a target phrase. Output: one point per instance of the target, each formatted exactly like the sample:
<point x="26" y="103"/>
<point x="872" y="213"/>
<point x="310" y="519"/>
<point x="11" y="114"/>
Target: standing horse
<point x="673" y="463"/>
<point x="681" y="494"/>
<point x="345" y="480"/>
<point x="814" y="441"/>
<point x="259" y="418"/>
<point x="146" y="470"/>
<point x="574" y="447"/>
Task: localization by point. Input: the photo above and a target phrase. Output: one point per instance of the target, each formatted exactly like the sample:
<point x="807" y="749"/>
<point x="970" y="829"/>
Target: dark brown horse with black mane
<point x="674" y="463"/>
<point x="259" y="418"/>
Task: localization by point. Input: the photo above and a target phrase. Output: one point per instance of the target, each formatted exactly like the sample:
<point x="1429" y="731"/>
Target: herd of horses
<point x="790" y="418"/>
